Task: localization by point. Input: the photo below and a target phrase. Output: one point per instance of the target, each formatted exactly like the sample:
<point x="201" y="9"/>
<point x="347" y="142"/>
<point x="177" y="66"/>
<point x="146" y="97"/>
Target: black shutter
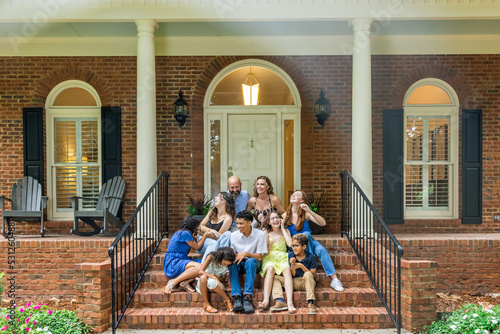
<point x="33" y="143"/>
<point x="111" y="138"/>
<point x="472" y="176"/>
<point x="393" y="166"/>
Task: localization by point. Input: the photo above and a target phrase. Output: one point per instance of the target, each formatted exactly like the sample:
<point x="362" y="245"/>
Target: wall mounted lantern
<point x="180" y="110"/>
<point x="250" y="87"/>
<point x="322" y="109"/>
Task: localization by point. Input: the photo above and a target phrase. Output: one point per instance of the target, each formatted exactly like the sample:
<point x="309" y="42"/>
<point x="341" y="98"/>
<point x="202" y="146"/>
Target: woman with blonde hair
<point x="297" y="219"/>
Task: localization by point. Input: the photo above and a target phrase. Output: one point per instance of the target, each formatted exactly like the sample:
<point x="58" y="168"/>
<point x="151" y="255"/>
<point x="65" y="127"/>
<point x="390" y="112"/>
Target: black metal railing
<point x="376" y="247"/>
<point x="136" y="244"/>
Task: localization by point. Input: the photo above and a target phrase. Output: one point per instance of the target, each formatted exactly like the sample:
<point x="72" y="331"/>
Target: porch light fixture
<point x="180" y="110"/>
<point x="322" y="109"/>
<point x="250" y="87"/>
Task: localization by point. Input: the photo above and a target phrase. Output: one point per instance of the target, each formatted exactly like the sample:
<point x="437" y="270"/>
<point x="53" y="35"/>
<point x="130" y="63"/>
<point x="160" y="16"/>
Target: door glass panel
<point x="215" y="157"/>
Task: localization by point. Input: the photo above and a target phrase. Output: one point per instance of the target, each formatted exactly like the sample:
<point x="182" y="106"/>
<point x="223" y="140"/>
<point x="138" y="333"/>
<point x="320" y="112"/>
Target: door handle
<point x="229" y="171"/>
<point x="251" y="143"/>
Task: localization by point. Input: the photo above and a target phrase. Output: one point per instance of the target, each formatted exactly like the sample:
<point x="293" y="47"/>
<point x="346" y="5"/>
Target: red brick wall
<point x="45" y="268"/>
<point x="25" y="82"/>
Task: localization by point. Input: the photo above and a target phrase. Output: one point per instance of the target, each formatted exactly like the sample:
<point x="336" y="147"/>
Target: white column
<point x="362" y="106"/>
<point x="146" y="107"/>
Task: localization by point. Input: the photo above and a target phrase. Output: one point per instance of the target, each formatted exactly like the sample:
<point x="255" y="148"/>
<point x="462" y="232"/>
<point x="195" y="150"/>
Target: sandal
<point x="229" y="305"/>
<point x="263" y="306"/>
<point x="208" y="308"/>
<point x="187" y="287"/>
<point x="168" y="288"/>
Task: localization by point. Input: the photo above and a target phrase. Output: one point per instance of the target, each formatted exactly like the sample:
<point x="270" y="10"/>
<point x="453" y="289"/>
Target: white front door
<point x="253" y="149"/>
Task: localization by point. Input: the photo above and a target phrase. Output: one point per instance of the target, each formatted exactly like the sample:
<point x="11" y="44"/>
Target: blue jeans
<point x="313" y="246"/>
<point x="249" y="267"/>
<point x="211" y="245"/>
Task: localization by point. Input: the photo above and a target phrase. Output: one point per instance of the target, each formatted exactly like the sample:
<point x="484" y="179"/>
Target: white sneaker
<point x="337" y="285"/>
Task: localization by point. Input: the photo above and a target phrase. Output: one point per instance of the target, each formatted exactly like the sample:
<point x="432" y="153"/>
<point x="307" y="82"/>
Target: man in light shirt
<point x="240" y="197"/>
<point x="249" y="245"/>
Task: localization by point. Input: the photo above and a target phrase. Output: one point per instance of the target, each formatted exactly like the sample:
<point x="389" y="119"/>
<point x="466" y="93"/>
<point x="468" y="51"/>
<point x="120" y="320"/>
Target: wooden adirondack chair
<point x="106" y="209"/>
<point x="27" y="203"/>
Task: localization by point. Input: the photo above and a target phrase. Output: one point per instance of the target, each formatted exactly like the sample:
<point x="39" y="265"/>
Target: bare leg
<point x="191" y="271"/>
<point x="221" y="293"/>
<point x="268" y="284"/>
<point x="204" y="289"/>
<point x="287" y="274"/>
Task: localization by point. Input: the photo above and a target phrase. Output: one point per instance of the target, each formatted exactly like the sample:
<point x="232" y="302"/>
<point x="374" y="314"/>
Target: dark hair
<point x="246" y="215"/>
<point x="223" y="253"/>
<point x="229" y="200"/>
<point x="190" y="224"/>
<point x="301" y="238"/>
<point x="270" y="189"/>
<point x="266" y="225"/>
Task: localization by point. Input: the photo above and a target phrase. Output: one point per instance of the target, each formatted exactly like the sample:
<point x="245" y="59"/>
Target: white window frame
<point x="54" y="112"/>
<point x="436" y="110"/>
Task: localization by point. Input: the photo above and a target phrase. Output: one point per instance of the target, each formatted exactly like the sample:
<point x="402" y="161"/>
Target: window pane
<point x="90" y="185"/>
<point x="215" y="157"/>
<point x="438" y="186"/>
<point x="65" y="141"/>
<point x="65" y="186"/>
<point x="438" y="139"/>
<point x="90" y="149"/>
<point x="429" y="94"/>
<point x="414" y="139"/>
<point x="414" y="186"/>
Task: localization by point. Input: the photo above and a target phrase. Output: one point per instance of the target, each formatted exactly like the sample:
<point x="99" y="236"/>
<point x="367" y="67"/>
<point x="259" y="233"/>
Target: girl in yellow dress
<point x="276" y="261"/>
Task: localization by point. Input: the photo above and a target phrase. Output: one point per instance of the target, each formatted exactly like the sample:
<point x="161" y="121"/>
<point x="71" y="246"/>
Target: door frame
<point x="282" y="112"/>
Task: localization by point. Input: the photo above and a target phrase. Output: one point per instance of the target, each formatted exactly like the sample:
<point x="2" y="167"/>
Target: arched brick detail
<point x="288" y="65"/>
<point x="444" y="73"/>
<point x="52" y="79"/>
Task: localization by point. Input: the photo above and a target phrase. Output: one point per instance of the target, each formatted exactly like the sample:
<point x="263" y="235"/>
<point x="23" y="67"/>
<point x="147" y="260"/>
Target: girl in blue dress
<point x="297" y="218"/>
<point x="178" y="267"/>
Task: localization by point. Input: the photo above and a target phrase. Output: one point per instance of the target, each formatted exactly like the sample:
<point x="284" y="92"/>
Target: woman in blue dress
<point x="297" y="218"/>
<point x="178" y="267"/>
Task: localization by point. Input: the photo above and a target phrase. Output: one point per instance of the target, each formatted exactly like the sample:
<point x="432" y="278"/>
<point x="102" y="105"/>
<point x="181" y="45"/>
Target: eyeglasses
<point x="275" y="218"/>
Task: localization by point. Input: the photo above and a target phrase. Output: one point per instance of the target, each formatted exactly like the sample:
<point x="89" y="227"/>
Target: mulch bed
<point x="52" y="303"/>
<point x="451" y="302"/>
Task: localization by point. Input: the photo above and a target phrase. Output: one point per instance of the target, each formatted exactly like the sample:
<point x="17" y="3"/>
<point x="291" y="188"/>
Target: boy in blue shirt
<point x="303" y="266"/>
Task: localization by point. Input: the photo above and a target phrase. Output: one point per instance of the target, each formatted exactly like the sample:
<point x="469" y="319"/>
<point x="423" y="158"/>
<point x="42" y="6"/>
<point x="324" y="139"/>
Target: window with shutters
<point x="431" y="151"/>
<point x="73" y="147"/>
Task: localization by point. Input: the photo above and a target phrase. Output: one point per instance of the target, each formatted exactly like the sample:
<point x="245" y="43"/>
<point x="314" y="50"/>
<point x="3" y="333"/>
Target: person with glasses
<point x="276" y="262"/>
<point x="240" y="197"/>
<point x="303" y="266"/>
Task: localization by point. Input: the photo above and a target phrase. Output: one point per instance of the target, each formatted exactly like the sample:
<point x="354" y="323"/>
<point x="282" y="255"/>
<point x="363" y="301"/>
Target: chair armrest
<point x="81" y="197"/>
<point x="109" y="198"/>
<point x="44" y="201"/>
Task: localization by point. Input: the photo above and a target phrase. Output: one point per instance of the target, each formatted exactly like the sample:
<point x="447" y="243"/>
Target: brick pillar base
<point x="93" y="290"/>
<point x="418" y="293"/>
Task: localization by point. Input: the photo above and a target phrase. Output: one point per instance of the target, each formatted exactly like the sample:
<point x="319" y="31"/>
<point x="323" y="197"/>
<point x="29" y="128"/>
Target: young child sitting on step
<point x="213" y="267"/>
<point x="303" y="265"/>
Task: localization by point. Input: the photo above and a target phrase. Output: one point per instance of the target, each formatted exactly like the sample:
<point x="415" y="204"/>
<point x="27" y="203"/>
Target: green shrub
<point x="2" y="283"/>
<point x="39" y="318"/>
<point x="479" y="318"/>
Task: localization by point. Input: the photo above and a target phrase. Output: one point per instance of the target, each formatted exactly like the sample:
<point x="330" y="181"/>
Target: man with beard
<point x="240" y="197"/>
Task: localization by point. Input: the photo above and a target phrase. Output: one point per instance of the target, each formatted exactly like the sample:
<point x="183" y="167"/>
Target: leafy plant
<point x="40" y="319"/>
<point x="480" y="318"/>
<point x="198" y="206"/>
<point x="2" y="283"/>
<point x="315" y="203"/>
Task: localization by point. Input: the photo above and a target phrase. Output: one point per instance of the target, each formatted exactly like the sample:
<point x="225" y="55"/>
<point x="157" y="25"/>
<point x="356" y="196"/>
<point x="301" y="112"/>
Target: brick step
<point x="349" y="278"/>
<point x="195" y="318"/>
<point x="341" y="261"/>
<point x="325" y="297"/>
<point x="332" y="242"/>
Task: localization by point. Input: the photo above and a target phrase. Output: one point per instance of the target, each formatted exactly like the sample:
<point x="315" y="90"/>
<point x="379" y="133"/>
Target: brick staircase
<point x="357" y="307"/>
